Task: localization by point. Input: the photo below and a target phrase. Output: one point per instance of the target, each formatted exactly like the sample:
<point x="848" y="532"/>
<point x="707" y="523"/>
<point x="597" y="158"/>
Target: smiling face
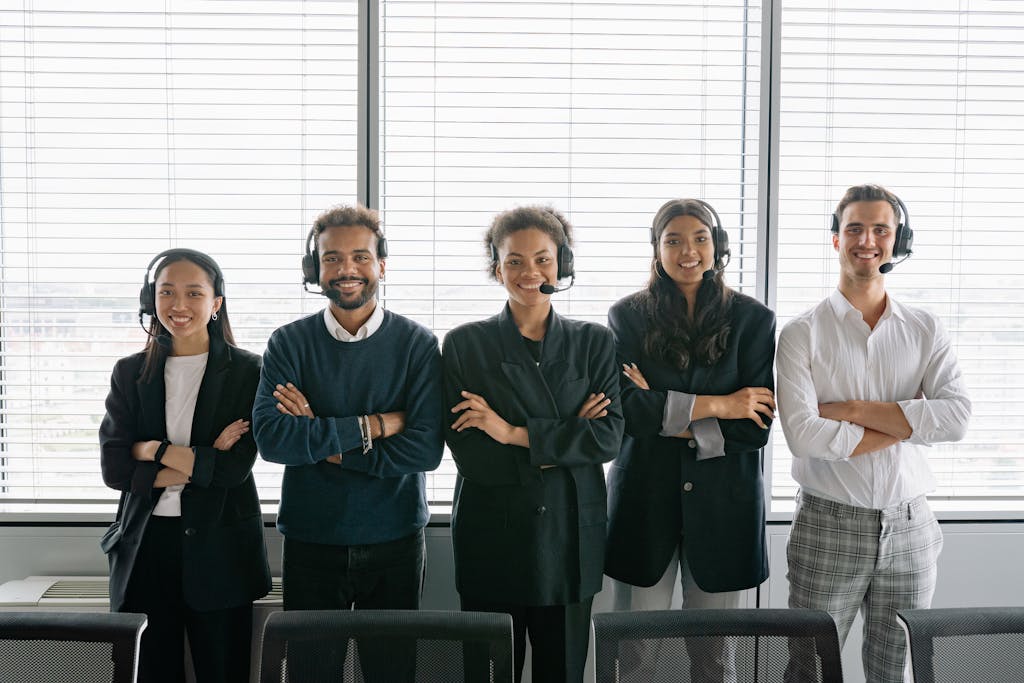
<point x="526" y="260"/>
<point x="349" y="266"/>
<point x="686" y="251"/>
<point x="185" y="301"/>
<point x="867" y="232"/>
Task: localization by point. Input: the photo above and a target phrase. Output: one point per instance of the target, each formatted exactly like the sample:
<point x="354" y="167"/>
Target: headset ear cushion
<point x="147" y="303"/>
<point x="566" y="261"/>
<point x="310" y="269"/>
<point x="382" y="248"/>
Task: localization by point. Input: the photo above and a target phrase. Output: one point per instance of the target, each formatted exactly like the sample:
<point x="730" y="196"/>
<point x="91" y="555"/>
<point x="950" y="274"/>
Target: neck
<point x="532" y="321"/>
<point x="866" y="295"/>
<point x="353" y="318"/>
<point x="689" y="292"/>
<point x="193" y="346"/>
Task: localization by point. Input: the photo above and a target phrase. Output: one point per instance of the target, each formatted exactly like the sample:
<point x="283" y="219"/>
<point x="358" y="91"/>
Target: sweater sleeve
<point x="419" y="447"/>
<point x="287" y="439"/>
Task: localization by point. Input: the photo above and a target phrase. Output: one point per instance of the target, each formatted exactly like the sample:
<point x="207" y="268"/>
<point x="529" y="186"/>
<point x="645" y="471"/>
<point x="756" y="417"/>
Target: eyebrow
<point x="195" y="285"/>
<point x="698" y="231"/>
<point x="361" y="250"/>
<point x="545" y="250"/>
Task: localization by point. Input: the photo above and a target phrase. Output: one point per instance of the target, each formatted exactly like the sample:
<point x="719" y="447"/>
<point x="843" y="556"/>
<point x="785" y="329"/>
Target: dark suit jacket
<point x="225" y="561"/>
<point x="658" y="490"/>
<point x="522" y="534"/>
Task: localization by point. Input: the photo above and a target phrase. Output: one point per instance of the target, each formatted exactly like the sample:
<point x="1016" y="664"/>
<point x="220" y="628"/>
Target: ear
<point x="383" y="263"/>
<point x="217" y="303"/>
<point x="835" y="241"/>
<point x="497" y="274"/>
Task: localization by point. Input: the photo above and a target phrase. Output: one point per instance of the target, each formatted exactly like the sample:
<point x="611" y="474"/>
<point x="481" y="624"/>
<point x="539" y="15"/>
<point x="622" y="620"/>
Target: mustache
<point x="348" y="279"/>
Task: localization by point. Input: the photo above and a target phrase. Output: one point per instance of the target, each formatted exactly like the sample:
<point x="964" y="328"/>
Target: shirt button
<point x="190" y="531"/>
<point x="688" y="486"/>
<point x="691" y="443"/>
<point x="541" y="509"/>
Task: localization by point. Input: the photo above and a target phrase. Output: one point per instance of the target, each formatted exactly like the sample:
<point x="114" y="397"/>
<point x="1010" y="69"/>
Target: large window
<point x="931" y="104"/>
<point x="130" y="127"/>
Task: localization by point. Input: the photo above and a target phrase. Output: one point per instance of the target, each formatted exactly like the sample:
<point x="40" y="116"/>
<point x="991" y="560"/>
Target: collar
<point x="843" y="308"/>
<point x="369" y="327"/>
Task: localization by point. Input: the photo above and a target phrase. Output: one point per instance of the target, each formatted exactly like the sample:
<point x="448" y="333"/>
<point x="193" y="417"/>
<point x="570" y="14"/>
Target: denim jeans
<point x="385" y="575"/>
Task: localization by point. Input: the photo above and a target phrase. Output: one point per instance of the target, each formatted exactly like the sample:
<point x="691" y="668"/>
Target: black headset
<point x="719" y="237"/>
<point x="147" y="295"/>
<point x="311" y="260"/>
<point x="903" y="246"/>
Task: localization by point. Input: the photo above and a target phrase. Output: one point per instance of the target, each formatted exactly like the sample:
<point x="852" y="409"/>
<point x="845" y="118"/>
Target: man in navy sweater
<point x="350" y="402"/>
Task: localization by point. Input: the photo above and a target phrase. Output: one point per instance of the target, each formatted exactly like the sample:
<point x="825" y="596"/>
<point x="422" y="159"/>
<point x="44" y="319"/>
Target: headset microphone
<point x="551" y="289"/>
<point x="161" y="339"/>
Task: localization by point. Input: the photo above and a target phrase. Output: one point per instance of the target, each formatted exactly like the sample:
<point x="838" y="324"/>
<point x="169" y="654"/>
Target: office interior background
<point x="129" y="127"/>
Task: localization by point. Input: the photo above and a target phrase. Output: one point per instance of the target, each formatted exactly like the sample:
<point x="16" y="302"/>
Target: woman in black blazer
<point x="686" y="490"/>
<point x="187" y="546"/>
<point x="535" y="410"/>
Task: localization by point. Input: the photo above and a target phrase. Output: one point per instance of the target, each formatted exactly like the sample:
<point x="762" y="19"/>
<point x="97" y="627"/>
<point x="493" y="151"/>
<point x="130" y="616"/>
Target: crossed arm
<point x="884" y="422"/>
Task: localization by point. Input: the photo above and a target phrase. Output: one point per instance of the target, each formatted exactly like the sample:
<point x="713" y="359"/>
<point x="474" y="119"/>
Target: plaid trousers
<point x="844" y="558"/>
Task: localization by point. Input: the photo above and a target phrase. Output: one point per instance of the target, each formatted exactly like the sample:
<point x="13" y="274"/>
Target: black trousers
<point x="219" y="640"/>
<point x="559" y="638"/>
<point x="379" y="576"/>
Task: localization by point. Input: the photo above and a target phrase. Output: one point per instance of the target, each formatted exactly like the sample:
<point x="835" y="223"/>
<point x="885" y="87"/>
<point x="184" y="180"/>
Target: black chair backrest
<point x="58" y="647"/>
<point x="676" y="645"/>
<point x="965" y="644"/>
<point x="386" y="645"/>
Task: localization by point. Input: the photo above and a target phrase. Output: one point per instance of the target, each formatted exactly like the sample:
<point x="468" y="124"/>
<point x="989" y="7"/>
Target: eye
<point x="165" y="292"/>
<point x="513" y="262"/>
<point x="195" y="293"/>
<point x="329" y="259"/>
<point x="544" y="259"/>
<point x="672" y="242"/>
<point x="362" y="258"/>
<point x="702" y="239"/>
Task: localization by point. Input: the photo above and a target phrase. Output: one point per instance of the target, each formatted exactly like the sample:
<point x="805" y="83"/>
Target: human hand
<point x="477" y="414"/>
<point x="145" y="451"/>
<point x="290" y="401"/>
<point x="594" y="406"/>
<point x="231" y="434"/>
<point x="748" y="402"/>
<point x="334" y="459"/>
<point x="631" y="371"/>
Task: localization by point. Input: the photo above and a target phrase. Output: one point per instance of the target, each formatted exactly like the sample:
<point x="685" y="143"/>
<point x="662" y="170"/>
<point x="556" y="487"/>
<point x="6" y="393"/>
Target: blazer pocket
<point x="111" y="537"/>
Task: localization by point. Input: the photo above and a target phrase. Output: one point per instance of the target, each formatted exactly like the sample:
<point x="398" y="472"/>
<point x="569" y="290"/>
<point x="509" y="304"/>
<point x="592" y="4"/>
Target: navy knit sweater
<point x="371" y="498"/>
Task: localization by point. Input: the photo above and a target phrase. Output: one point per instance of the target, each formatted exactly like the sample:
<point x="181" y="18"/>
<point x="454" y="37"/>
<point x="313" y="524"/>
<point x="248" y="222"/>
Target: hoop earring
<point x="214" y="316"/>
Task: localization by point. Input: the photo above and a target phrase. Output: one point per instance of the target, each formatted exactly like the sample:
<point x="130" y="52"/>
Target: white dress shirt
<point x="829" y="354"/>
<point x="371" y="325"/>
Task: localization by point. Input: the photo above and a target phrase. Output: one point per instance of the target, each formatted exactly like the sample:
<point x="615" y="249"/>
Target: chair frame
<point x="283" y="627"/>
<point x="121" y="630"/>
<point x="922" y="626"/>
<point x="795" y="623"/>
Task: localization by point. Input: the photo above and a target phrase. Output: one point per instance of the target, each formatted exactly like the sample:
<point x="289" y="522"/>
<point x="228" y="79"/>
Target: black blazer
<point x="224" y="558"/>
<point x="658" y="490"/>
<point x="522" y="534"/>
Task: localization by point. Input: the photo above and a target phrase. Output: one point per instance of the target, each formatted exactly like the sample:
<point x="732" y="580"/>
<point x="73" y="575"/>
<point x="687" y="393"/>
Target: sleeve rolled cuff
<point x="678" y="409"/>
<point x="708" y="435"/>
<point x="913" y="410"/>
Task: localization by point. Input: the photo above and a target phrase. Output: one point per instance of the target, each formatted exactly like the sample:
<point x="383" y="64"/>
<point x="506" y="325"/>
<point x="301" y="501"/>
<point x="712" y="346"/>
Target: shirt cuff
<point x="678" y="408"/>
<point x="707" y="432"/>
<point x="913" y="409"/>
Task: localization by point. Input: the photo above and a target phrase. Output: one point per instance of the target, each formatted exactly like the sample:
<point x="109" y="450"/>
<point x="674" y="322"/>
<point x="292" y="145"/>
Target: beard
<point x="338" y="299"/>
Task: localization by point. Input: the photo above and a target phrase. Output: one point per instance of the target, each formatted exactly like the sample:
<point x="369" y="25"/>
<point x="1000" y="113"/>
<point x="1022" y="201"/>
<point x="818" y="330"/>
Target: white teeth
<point x="536" y="286"/>
<point x="691" y="264"/>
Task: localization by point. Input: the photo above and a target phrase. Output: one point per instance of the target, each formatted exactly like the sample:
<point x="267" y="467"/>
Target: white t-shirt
<point x="182" y="377"/>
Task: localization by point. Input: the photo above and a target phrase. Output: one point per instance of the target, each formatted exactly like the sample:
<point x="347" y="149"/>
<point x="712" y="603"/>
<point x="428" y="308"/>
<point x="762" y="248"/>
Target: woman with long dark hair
<point x="534" y="400"/>
<point x="187" y="546"/>
<point x="686" y="496"/>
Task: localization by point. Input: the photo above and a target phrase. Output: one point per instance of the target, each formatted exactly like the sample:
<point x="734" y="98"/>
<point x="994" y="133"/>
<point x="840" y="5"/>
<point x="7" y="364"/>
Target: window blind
<point x="928" y="102"/>
<point x="127" y="128"/>
<point x="603" y="110"/>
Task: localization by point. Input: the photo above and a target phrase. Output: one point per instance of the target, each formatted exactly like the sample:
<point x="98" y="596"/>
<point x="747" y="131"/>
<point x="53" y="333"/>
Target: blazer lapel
<point x="530" y="381"/>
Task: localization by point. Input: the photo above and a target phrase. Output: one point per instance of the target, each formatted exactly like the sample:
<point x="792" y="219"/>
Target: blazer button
<point x="541" y="509"/>
<point x="190" y="531"/>
<point x="691" y="443"/>
<point x="688" y="486"/>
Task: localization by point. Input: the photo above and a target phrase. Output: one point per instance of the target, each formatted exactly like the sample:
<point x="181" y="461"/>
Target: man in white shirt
<point x="864" y="383"/>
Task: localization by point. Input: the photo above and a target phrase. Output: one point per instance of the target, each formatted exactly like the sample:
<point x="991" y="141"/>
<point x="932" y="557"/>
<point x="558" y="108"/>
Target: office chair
<point x="698" y="644"/>
<point x="69" y="647"/>
<point x="965" y="644"/>
<point x="386" y="646"/>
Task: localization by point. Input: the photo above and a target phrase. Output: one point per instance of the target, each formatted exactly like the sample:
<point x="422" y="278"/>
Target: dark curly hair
<point x="672" y="336"/>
